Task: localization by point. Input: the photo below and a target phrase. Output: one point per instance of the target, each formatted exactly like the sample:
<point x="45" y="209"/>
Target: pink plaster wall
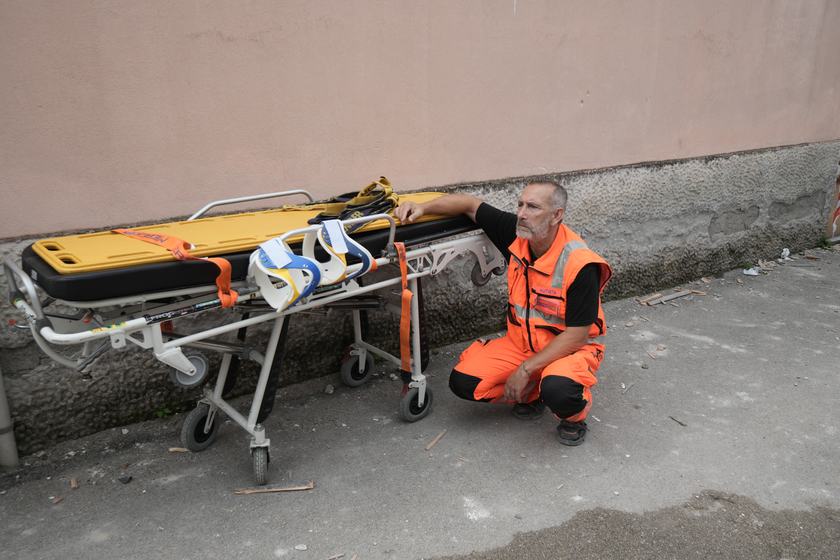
<point x="114" y="112"/>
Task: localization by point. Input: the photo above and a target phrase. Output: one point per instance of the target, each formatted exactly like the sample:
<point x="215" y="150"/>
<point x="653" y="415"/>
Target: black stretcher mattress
<point x="174" y="275"/>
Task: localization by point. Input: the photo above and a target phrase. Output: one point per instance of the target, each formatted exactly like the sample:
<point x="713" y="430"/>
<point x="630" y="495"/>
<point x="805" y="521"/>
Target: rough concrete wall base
<point x="662" y="224"/>
<point x="657" y="224"/>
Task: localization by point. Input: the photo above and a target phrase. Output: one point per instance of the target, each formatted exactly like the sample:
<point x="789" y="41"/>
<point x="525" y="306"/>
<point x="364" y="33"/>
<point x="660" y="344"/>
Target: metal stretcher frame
<point x="139" y="319"/>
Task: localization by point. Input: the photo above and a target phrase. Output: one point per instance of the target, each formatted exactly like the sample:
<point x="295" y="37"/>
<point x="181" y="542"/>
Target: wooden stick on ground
<point x="277" y="488"/>
<point x="437" y="439"/>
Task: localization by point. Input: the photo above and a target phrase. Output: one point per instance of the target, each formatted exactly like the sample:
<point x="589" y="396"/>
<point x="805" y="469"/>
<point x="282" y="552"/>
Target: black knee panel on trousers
<point x="563" y="396"/>
<point x="464" y="385"/>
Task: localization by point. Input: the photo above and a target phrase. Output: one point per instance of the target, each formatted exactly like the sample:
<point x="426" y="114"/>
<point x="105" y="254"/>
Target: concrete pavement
<point x="723" y="400"/>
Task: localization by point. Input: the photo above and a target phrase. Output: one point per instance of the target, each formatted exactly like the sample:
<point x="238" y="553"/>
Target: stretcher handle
<point x="11" y="270"/>
<point x="248" y="199"/>
<point x="371" y="218"/>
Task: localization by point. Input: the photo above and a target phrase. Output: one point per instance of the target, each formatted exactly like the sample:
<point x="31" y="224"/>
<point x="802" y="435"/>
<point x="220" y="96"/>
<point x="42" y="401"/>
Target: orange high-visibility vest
<point x="537" y="291"/>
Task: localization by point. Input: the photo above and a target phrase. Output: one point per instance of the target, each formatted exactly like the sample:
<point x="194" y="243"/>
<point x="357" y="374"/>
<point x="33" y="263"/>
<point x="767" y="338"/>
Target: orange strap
<point x="405" y="313"/>
<point x="178" y="248"/>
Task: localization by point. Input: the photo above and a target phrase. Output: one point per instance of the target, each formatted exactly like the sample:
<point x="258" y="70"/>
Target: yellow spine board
<point x="216" y="235"/>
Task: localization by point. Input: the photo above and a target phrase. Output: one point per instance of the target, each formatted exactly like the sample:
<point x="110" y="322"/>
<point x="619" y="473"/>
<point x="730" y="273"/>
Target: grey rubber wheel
<point x="193" y="435"/>
<point x="260" y="456"/>
<point x="409" y="408"/>
<point x="201" y="365"/>
<point x="352" y="374"/>
<point x="477" y="278"/>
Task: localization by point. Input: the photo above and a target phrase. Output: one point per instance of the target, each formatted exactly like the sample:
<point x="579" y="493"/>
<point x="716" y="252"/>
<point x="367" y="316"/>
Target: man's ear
<point x="557" y="217"/>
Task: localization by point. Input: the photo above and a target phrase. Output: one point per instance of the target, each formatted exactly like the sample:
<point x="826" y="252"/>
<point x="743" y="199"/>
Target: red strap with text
<point x="178" y="248"/>
<point x="405" y="313"/>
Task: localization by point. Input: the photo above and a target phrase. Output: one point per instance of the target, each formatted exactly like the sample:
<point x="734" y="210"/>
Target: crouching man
<point x="555" y="324"/>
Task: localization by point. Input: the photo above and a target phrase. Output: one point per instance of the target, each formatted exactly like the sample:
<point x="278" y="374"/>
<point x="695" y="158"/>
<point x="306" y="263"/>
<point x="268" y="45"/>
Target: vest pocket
<point x="512" y="318"/>
<point x="554" y="330"/>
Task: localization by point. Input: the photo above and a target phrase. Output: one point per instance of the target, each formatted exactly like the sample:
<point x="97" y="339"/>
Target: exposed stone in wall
<point x="734" y="221"/>
<point x="657" y="224"/>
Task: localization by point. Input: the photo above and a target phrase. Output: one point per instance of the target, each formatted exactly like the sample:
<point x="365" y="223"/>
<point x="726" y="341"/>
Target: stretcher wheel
<point x="260" y="456"/>
<point x="409" y="408"/>
<point x="479" y="279"/>
<point x="201" y="365"/>
<point x="352" y="374"/>
<point x="193" y="436"/>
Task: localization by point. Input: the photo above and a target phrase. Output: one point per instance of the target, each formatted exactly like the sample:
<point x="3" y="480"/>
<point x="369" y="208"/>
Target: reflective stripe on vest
<point x="560" y="267"/>
<point x="550" y="319"/>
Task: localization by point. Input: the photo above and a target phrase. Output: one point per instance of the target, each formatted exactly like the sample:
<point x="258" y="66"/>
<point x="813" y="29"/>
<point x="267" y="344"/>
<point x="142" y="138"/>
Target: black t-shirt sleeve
<point x="499" y="226"/>
<point x="583" y="297"/>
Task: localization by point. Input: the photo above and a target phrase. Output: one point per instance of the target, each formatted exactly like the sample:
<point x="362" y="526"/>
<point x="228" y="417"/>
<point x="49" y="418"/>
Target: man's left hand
<point x="516" y="384"/>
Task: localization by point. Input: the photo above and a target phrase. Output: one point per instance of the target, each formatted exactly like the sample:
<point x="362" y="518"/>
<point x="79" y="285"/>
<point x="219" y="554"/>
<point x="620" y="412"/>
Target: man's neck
<point x="540" y="247"/>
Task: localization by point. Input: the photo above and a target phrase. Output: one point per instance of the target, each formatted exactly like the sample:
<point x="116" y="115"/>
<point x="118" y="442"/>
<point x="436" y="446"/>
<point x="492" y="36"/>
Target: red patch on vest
<point x="546" y="305"/>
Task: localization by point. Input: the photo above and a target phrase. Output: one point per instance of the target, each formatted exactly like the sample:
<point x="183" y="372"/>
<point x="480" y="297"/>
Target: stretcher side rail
<point x="248" y="199"/>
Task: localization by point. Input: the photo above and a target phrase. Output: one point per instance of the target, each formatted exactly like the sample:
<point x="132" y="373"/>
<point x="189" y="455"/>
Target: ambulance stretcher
<point x="135" y="294"/>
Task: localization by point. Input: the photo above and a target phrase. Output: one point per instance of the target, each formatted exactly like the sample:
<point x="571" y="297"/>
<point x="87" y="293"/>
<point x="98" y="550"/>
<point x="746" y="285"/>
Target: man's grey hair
<point x="558" y="197"/>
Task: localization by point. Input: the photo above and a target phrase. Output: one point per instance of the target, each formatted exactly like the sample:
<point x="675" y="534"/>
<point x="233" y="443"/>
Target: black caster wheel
<point x="352" y="374"/>
<point x="193" y="434"/>
<point x="409" y="408"/>
<point x="201" y="365"/>
<point x="260" y="457"/>
<point x="479" y="279"/>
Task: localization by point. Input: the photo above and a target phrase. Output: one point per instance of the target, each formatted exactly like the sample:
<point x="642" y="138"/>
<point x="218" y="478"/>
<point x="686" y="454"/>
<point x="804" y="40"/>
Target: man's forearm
<point x="448" y="205"/>
<point x="567" y="342"/>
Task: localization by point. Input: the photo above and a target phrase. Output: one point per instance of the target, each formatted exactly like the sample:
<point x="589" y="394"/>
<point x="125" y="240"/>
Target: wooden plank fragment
<point x="669" y="297"/>
<point x="651" y="298"/>
<point x="276" y="488"/>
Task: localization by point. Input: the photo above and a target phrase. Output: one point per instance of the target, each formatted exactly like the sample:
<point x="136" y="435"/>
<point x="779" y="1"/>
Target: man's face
<point x="534" y="214"/>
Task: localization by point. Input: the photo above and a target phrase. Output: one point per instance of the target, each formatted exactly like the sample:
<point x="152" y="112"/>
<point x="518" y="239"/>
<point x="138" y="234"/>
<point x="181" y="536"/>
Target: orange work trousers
<point x="563" y="385"/>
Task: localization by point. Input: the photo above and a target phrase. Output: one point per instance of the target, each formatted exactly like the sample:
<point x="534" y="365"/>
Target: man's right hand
<point x="408" y="211"/>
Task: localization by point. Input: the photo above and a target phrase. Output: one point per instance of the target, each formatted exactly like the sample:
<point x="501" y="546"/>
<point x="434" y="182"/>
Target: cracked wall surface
<point x="657" y="224"/>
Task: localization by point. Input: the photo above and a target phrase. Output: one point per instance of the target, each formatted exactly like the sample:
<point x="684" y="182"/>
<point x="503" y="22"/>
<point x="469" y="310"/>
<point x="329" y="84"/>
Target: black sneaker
<point x="571" y="433"/>
<point x="528" y="411"/>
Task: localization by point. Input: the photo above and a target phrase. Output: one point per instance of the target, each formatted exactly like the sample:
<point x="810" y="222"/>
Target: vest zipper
<point x="528" y="308"/>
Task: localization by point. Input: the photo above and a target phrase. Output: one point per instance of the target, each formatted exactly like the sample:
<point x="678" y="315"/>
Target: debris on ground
<point x="683" y="424"/>
<point x="669" y="297"/>
<point x="437" y="439"/>
<point x="276" y="488"/>
<point x="651" y="298"/>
